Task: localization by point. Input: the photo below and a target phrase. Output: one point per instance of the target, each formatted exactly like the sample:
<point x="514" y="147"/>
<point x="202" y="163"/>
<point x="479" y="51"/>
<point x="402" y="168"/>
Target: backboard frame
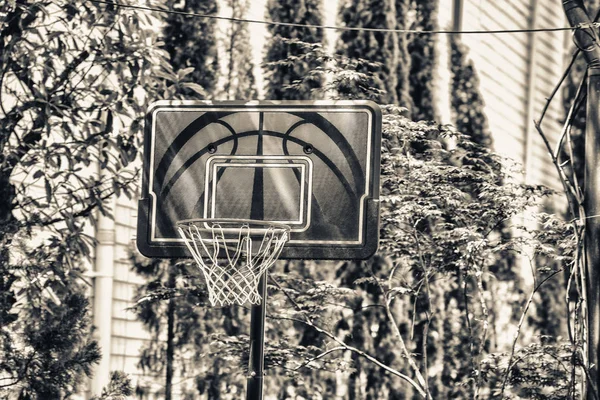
<point x="366" y="242"/>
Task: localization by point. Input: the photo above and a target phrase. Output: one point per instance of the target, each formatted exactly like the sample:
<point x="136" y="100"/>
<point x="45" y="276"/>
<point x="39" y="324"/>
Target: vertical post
<point x="170" y="353"/>
<point x="592" y="227"/>
<point x="457" y="15"/>
<point x="586" y="39"/>
<point x="103" y="293"/>
<point x="256" y="362"/>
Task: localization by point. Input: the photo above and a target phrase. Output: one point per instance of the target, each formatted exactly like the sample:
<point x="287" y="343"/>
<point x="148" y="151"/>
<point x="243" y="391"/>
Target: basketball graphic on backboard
<point x="312" y="166"/>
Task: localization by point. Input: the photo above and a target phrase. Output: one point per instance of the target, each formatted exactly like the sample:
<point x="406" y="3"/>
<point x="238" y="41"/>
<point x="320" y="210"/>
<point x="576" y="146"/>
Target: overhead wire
<point x="338" y="28"/>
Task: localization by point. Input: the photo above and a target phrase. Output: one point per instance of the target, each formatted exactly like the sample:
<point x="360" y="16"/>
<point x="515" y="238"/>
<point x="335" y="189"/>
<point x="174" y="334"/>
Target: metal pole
<point x="592" y="226"/>
<point x="256" y="362"/>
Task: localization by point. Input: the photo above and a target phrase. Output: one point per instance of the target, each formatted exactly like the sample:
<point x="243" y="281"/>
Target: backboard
<point x="313" y="166"/>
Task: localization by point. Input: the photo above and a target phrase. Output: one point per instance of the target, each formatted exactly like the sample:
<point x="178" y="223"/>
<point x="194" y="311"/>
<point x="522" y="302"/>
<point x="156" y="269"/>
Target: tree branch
<point x="361" y="353"/>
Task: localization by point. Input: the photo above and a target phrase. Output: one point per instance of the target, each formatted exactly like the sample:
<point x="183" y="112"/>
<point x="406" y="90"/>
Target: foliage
<point x="429" y="299"/>
<point x="191" y="44"/>
<point x="401" y="66"/>
<point x="173" y="304"/>
<point x="438" y="244"/>
<point x="240" y="83"/>
<point x="50" y="350"/>
<point x="426" y="317"/>
<point x="537" y="371"/>
<point x="118" y="388"/>
<point x="72" y="78"/>
<point x="379" y="48"/>
<point x="467" y="102"/>
<point x="284" y="65"/>
<point x="423" y="59"/>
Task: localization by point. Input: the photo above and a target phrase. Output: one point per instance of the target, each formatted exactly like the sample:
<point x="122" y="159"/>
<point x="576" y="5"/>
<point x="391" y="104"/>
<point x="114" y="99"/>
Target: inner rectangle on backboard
<point x="276" y="190"/>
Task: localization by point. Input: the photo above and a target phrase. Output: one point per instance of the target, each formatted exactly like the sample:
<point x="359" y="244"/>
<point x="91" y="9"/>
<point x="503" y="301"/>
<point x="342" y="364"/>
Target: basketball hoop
<point x="230" y="261"/>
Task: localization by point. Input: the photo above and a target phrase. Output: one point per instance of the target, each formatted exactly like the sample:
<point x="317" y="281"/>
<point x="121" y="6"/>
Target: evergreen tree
<point x="402" y="65"/>
<point x="171" y="303"/>
<point x="191" y="43"/>
<point x="467" y="103"/>
<point x="58" y="350"/>
<point x="403" y="8"/>
<point x="422" y="52"/>
<point x="379" y="48"/>
<point x="173" y="306"/>
<point x="285" y="71"/>
<point x="239" y="78"/>
<point x="118" y="388"/>
<point x="172" y="322"/>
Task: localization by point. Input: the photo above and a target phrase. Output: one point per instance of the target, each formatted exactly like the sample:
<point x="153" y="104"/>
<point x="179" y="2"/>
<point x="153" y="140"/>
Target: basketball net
<point x="232" y="272"/>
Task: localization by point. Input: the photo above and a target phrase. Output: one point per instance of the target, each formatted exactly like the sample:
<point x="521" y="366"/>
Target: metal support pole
<point x="256" y="362"/>
<point x="592" y="227"/>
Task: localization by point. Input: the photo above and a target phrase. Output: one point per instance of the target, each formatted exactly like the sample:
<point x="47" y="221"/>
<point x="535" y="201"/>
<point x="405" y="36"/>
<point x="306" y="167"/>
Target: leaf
<point x="182" y="73"/>
<point x="37" y="174"/>
<point x="195" y="87"/>
<point x="48" y="188"/>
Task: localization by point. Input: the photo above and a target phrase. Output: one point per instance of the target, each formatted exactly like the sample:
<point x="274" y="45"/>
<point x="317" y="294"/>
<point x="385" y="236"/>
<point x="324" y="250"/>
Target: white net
<point x="232" y="272"/>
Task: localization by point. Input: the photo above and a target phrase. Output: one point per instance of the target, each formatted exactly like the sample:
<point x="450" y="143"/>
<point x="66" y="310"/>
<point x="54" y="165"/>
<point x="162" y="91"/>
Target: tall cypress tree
<point x="168" y="302"/>
<point x="422" y="52"/>
<point x="191" y="42"/>
<point x="403" y="67"/>
<point x="287" y="43"/>
<point x="379" y="48"/>
<point x="239" y="77"/>
<point x="467" y="102"/>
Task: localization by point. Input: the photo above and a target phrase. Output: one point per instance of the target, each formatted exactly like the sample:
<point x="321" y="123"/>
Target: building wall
<point x="517" y="72"/>
<point x="127" y="335"/>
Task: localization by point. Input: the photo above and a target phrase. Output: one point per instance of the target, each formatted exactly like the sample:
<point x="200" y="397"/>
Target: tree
<point x="176" y="319"/>
<point x="73" y="84"/>
<point x="422" y="52"/>
<point x="173" y="305"/>
<point x="381" y="49"/>
<point x="400" y="65"/>
<point x="191" y="44"/>
<point x="239" y="80"/>
<point x="467" y="102"/>
<point x="285" y="71"/>
<point x="420" y="319"/>
<point x="118" y="388"/>
<point x="422" y="303"/>
<point x="170" y="304"/>
<point x="403" y="8"/>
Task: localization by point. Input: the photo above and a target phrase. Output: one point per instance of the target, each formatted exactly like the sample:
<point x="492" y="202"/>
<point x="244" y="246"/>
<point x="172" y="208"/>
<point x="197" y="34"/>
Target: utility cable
<point x="338" y="28"/>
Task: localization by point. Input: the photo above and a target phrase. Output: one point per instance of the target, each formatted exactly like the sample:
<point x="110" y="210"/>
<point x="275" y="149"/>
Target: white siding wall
<point x="549" y="65"/>
<point x="509" y="65"/>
